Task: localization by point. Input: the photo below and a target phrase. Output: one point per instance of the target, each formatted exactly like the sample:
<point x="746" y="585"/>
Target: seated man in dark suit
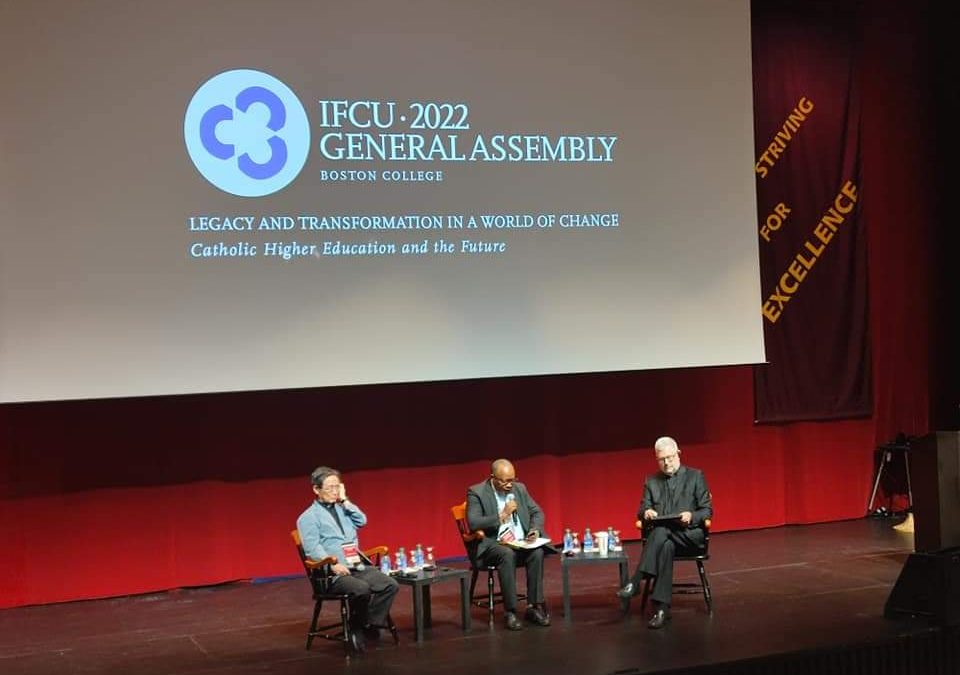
<point x="329" y="528"/>
<point x="505" y="511"/>
<point x="675" y="490"/>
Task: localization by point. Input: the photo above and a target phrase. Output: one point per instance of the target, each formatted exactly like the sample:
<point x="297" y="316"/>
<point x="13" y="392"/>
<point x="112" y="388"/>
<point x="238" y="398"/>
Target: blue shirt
<point x="512" y="523"/>
<point x="321" y="535"/>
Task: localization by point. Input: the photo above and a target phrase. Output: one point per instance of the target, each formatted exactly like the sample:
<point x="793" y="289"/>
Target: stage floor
<point x="776" y="590"/>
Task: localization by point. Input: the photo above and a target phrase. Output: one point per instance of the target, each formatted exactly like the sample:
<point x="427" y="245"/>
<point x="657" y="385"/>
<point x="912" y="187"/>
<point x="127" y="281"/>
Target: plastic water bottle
<point x="431" y="563"/>
<point x="611" y="539"/>
<point x="418" y="556"/>
<point x="385" y="563"/>
<point x="576" y="542"/>
<point x="567" y="541"/>
<point x="587" y="541"/>
<point x="617" y="544"/>
<point x="401" y="559"/>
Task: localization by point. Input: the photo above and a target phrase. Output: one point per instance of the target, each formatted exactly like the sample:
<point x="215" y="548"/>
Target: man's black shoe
<point x="356" y="642"/>
<point x="511" y="621"/>
<point x="659" y="618"/>
<point x="371" y="633"/>
<point x="627" y="591"/>
<point x="537" y="615"/>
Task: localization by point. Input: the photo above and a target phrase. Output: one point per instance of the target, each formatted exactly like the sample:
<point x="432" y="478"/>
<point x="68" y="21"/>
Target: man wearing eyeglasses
<point x="503" y="509"/>
<point x="329" y="528"/>
<point x="679" y="491"/>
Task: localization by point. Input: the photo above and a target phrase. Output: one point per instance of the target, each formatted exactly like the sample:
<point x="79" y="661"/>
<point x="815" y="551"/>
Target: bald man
<point x="503" y="509"/>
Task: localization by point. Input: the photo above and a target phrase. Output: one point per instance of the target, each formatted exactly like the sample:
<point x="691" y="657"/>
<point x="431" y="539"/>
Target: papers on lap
<point x="523" y="543"/>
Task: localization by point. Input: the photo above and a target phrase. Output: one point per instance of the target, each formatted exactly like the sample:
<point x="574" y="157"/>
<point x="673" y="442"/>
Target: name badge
<point x="506" y="533"/>
<point x="351" y="553"/>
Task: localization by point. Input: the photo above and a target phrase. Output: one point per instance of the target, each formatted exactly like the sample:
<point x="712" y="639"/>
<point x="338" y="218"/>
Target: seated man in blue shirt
<point x="329" y="528"/>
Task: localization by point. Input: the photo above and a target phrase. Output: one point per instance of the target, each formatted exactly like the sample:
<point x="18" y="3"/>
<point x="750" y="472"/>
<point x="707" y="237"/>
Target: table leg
<point x="566" y="591"/>
<point x="464" y="603"/>
<point x="418" y="613"/>
<point x="624" y="576"/>
<point x="427" y="615"/>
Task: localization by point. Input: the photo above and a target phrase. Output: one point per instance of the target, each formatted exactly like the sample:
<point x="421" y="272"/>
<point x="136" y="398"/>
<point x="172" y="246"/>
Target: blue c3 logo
<point x="247" y="133"/>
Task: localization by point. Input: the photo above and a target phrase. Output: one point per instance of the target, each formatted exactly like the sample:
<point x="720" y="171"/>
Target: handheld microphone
<point x="511" y="498"/>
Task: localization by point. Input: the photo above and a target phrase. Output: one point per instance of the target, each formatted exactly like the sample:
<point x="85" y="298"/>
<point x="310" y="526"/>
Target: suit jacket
<point x="689" y="494"/>
<point x="483" y="514"/>
<point x="320" y="534"/>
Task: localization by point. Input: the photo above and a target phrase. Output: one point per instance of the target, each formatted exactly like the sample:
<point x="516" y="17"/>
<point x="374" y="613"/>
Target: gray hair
<point x="665" y="443"/>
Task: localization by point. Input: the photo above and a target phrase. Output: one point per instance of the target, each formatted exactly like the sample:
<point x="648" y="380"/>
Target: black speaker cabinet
<point x="928" y="585"/>
<point x="935" y="478"/>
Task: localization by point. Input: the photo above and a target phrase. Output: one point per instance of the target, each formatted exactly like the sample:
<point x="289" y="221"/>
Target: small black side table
<point x="421" y="582"/>
<point x="613" y="557"/>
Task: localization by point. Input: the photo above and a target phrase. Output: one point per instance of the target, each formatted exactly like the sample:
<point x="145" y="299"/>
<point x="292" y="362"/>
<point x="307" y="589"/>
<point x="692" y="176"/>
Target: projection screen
<point x="237" y="195"/>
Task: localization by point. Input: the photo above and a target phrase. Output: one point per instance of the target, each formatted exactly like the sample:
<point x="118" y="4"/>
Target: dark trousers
<point x="507" y="560"/>
<point x="371" y="592"/>
<point x="661" y="546"/>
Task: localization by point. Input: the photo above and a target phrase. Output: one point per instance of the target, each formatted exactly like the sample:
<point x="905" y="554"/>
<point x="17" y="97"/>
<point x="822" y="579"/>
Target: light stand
<point x="887" y="454"/>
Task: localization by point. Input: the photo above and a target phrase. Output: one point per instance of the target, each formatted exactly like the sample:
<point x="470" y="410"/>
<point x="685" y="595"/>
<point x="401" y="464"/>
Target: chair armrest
<point x="706" y="524"/>
<point x="317" y="564"/>
<point x="375" y="552"/>
<point x="476" y="535"/>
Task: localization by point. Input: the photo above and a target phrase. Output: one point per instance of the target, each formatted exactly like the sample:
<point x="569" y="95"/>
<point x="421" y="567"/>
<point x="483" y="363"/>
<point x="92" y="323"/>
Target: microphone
<point x="511" y="498"/>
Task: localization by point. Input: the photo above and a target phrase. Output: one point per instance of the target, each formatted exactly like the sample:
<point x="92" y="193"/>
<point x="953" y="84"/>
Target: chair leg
<point x="313" y="622"/>
<point x="392" y="627"/>
<point x="707" y="597"/>
<point x="345" y="626"/>
<point x="490" y="597"/>
<point x="473" y="584"/>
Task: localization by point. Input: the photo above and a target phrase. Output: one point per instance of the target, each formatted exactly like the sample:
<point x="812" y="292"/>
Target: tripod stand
<point x="887" y="454"/>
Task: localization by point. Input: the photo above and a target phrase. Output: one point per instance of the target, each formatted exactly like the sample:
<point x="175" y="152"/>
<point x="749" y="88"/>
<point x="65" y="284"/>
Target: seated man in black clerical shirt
<point x="674" y="490"/>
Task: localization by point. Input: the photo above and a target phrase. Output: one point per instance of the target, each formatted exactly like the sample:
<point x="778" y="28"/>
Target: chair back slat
<point x="295" y="535"/>
<point x="459" y="513"/>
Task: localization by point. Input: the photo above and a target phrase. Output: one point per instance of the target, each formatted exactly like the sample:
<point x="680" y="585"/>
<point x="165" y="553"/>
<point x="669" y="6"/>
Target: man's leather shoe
<point x="356" y="642"/>
<point x="537" y="615"/>
<point x="371" y="632"/>
<point x="627" y="591"/>
<point x="511" y="621"/>
<point x="659" y="618"/>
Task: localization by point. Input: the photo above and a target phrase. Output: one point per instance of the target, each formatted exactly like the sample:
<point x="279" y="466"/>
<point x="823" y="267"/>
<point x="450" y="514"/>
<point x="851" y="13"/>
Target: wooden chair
<point x="468" y="536"/>
<point x="321" y="577"/>
<point x="699" y="557"/>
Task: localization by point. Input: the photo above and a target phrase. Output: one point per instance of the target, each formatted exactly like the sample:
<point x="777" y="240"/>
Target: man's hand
<point x="508" y="510"/>
<point x="343" y="492"/>
<point x="686" y="517"/>
<point x="649" y="514"/>
<point x="532" y="535"/>
<point x="340" y="570"/>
